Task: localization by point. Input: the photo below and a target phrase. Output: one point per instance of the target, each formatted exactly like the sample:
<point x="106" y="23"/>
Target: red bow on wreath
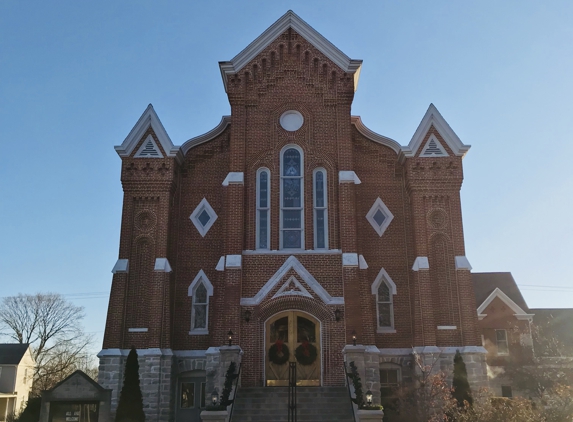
<point x="279" y="344"/>
<point x="305" y="350"/>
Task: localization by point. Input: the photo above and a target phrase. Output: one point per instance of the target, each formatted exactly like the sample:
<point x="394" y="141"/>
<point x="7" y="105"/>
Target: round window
<point x="291" y="120"/>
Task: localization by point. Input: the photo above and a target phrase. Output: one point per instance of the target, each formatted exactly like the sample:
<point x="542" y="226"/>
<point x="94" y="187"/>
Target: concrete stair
<point x="314" y="404"/>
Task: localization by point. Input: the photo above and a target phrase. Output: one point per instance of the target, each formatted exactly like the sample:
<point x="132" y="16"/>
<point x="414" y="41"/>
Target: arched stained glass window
<point x="292" y="189"/>
<point x="320" y="210"/>
<point x="263" y="209"/>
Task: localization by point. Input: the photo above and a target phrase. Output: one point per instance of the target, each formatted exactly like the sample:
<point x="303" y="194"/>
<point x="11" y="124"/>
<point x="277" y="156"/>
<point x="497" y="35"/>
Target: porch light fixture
<point x="337" y="314"/>
<point x="354" y="337"/>
<point x="214" y="397"/>
<point x="230" y="334"/>
<point x="369" y="398"/>
<point x="247" y="316"/>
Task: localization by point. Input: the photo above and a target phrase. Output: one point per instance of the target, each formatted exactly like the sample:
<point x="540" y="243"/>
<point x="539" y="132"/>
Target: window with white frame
<point x="263" y="208"/>
<point x="200" y="290"/>
<point x="501" y="342"/>
<point x="384" y="289"/>
<point x="320" y="210"/>
<point x="292" y="202"/>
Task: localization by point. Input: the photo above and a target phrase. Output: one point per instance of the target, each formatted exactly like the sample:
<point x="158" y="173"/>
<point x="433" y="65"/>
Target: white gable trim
<point x="433" y="117"/>
<point x="375" y="137"/>
<point x="201" y="139"/>
<point x="147" y="119"/>
<point x="200" y="276"/>
<point x="292" y="263"/>
<point x="383" y="275"/>
<point x="290" y="20"/>
<point x="301" y="290"/>
<point x="518" y="312"/>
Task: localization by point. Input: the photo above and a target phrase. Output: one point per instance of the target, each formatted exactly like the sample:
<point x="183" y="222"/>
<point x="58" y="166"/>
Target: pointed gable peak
<point x="435" y="119"/>
<point x="290" y="20"/>
<point x="148" y="119"/>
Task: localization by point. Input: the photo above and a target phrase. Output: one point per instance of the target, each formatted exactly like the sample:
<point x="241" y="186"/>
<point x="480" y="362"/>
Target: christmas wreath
<point x="279" y="353"/>
<point x="306" y="353"/>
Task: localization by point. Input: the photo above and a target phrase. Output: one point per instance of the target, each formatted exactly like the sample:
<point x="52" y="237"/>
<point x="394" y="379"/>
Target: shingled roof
<point x="12" y="353"/>
<point x="486" y="283"/>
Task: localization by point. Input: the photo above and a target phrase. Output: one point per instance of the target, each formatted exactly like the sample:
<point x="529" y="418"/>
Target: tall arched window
<point x="292" y="199"/>
<point x="263" y="208"/>
<point x="320" y="210"/>
<point x="384" y="289"/>
<point x="200" y="290"/>
<point x="384" y="305"/>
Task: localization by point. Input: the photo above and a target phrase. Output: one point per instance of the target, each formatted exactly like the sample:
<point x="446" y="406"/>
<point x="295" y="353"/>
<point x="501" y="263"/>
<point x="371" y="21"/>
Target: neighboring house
<point x="16" y="375"/>
<point x="516" y="336"/>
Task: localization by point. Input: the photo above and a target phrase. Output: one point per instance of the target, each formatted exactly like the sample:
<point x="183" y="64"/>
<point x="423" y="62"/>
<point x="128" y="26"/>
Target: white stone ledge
<point x="234" y="178"/>
<point x="233" y="261"/>
<point x="189" y="353"/>
<point x="293" y="252"/>
<point x="348" y="176"/>
<point x="121" y="266"/>
<point x="447" y="327"/>
<point x="162" y="265"/>
<point x="421" y="263"/>
<point x="350" y="260"/>
<point x="137" y="330"/>
<point x="462" y="263"/>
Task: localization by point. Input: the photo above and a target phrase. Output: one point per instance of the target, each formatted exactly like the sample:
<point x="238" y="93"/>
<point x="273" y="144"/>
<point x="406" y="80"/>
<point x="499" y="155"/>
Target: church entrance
<point x="191" y="396"/>
<point x="292" y="336"/>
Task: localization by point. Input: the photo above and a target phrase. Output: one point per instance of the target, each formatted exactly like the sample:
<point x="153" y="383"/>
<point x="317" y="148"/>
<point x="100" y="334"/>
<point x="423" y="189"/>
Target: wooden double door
<point x="291" y="334"/>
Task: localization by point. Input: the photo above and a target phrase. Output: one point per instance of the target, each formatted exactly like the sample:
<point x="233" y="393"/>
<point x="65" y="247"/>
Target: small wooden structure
<point x="78" y="398"/>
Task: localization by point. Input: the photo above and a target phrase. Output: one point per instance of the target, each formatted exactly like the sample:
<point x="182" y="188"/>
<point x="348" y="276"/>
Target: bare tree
<point x="52" y="327"/>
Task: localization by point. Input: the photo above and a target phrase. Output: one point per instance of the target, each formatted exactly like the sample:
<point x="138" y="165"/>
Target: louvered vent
<point x="433" y="148"/>
<point x="149" y="149"/>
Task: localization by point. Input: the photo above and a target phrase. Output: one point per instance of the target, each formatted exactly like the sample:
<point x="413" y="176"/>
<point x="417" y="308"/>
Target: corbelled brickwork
<point x="151" y="305"/>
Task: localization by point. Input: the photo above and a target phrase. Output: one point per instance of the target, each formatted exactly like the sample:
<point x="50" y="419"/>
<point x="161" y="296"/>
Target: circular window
<point x="291" y="120"/>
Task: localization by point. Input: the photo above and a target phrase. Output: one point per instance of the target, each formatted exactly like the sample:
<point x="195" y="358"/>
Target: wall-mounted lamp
<point x="247" y="316"/>
<point x="214" y="397"/>
<point x="369" y="398"/>
<point x="337" y="314"/>
<point x="354" y="337"/>
<point x="230" y="334"/>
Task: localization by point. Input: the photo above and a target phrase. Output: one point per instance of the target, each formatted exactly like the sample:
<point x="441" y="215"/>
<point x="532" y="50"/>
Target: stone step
<point x="314" y="404"/>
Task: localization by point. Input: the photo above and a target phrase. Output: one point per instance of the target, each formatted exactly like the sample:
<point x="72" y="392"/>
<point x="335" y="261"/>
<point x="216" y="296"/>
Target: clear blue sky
<point x="76" y="75"/>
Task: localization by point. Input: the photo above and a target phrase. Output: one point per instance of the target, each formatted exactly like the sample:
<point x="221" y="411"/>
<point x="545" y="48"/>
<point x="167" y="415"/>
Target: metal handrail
<point x="292" y="417"/>
<point x="348" y="388"/>
<point x="236" y="391"/>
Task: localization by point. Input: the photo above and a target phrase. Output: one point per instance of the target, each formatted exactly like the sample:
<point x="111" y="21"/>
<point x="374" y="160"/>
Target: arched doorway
<point x="288" y="331"/>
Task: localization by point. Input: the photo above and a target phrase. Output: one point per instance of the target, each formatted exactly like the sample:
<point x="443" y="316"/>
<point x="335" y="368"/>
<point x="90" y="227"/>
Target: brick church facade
<point x="289" y="224"/>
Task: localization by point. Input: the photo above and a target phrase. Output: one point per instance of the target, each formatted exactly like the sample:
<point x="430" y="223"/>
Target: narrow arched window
<point x="384" y="302"/>
<point x="263" y="209"/>
<point x="320" y="210"/>
<point x="200" y="290"/>
<point x="292" y="202"/>
<point x="200" y="304"/>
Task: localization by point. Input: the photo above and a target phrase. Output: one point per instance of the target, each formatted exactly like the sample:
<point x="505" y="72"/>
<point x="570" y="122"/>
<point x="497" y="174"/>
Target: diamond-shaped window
<point x="203" y="217"/>
<point x="379" y="217"/>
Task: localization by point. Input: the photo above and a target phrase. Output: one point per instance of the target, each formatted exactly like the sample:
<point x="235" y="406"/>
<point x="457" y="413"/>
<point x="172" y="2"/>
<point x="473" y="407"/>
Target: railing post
<point x="292" y="392"/>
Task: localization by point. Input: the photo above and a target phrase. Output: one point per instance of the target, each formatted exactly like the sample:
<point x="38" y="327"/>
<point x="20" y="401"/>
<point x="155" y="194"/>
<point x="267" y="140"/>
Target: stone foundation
<point x="370" y="359"/>
<point x="156" y="379"/>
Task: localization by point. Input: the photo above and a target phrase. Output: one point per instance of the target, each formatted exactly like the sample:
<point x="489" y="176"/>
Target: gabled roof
<point x="486" y="283"/>
<point x="83" y="375"/>
<point x="12" y="353"/>
<point x="147" y="119"/>
<point x="434" y="118"/>
<point x="488" y="286"/>
<point x="290" y="20"/>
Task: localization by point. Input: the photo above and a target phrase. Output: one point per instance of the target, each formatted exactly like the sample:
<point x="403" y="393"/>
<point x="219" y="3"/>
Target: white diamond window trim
<point x="203" y="217"/>
<point x="379" y="216"/>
